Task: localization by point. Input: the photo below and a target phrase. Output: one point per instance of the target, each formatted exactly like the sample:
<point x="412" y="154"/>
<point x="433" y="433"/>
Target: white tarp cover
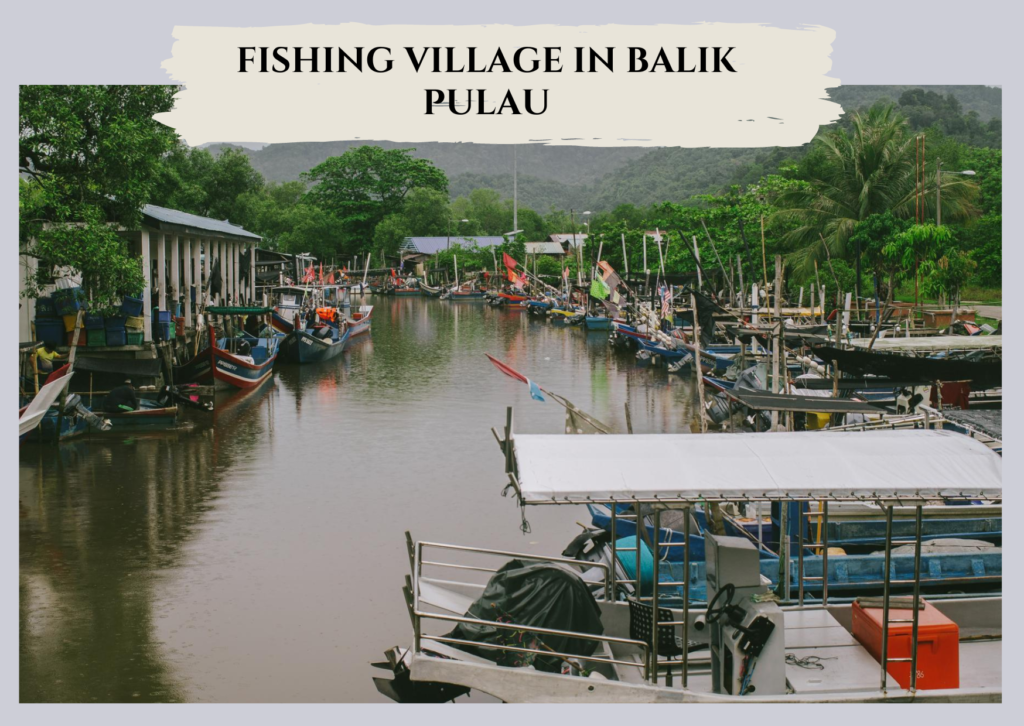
<point x="41" y="403"/>
<point x="688" y="467"/>
<point x="934" y="343"/>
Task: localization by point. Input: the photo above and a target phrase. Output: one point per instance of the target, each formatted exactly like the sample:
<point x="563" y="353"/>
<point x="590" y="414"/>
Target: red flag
<point x="510" y="372"/>
<point x="309" y="274"/>
<point x="393" y="272"/>
<point x="321" y="273"/>
<point x="565" y="272"/>
<point x="509" y="262"/>
<point x="330" y="279"/>
<point x="512" y="277"/>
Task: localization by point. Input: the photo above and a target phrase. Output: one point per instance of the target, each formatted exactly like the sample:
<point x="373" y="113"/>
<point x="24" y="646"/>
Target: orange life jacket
<point x="327" y="314"/>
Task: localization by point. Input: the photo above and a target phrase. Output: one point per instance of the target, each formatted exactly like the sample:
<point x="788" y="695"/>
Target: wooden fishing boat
<point x="598" y="322"/>
<point x="360" y="321"/>
<point x="150" y="416"/>
<point x="431" y="290"/>
<point x="464" y="294"/>
<point x="231" y="362"/>
<point x="982" y="373"/>
<point x="314" y="345"/>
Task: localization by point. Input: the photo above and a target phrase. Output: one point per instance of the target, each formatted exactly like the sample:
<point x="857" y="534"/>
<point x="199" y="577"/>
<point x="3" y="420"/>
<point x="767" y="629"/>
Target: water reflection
<point x="259" y="555"/>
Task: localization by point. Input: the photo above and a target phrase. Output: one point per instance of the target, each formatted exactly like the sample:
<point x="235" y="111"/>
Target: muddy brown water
<point x="257" y="554"/>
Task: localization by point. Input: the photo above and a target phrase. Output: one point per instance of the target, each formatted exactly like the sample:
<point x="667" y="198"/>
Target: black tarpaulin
<point x="146" y="367"/>
<point x="767" y="401"/>
<point x="535" y="594"/>
<point x="983" y="374"/>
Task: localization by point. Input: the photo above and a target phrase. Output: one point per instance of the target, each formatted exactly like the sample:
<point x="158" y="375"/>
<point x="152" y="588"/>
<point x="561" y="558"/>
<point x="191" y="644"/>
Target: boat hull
<point x="302" y="347"/>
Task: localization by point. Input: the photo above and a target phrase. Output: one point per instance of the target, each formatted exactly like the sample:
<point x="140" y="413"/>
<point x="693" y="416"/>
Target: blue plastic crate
<point x="93" y="321"/>
<point x="45" y="308"/>
<point x="50" y="330"/>
<point x="116" y="337"/>
<point x="69" y="300"/>
<point x="162" y="316"/>
<point x="131" y="306"/>
<point x="114" y="323"/>
<point x="164" y="331"/>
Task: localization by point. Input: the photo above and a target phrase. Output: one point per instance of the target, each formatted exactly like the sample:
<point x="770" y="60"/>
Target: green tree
<point x="90" y="155"/>
<point x="867" y="171"/>
<point x="364" y="185"/>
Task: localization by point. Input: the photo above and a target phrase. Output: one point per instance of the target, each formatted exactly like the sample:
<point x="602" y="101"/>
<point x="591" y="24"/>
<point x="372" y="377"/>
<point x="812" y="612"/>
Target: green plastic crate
<point x="135" y="338"/>
<point x="95" y="338"/>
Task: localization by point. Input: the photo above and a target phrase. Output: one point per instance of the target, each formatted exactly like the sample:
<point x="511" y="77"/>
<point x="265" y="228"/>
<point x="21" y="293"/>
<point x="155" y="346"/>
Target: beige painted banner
<point x="662" y="90"/>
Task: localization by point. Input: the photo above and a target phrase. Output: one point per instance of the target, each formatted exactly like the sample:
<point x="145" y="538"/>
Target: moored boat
<point x="314" y="345"/>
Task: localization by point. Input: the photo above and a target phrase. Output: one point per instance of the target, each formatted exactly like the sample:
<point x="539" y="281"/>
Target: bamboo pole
<point x="625" y="258"/>
<point x="697" y="367"/>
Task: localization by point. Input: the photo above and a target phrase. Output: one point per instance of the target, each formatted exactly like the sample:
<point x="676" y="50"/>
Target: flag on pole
<point x="309" y="275"/>
<point x="666" y="300"/>
<point x="321" y="273"/>
<point x="507" y="259"/>
<point x="565" y="272"/>
<point x="599" y="289"/>
<point x="535" y="392"/>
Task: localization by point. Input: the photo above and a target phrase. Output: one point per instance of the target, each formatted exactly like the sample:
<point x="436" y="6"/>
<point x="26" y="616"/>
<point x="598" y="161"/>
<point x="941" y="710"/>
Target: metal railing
<point x="418" y="615"/>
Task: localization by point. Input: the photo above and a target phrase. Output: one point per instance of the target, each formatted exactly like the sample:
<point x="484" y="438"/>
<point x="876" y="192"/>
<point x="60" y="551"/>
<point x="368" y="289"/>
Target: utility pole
<point x="938" y="192"/>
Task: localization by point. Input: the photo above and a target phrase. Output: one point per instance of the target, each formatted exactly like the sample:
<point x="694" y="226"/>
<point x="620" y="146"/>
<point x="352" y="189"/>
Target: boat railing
<point x="418" y="562"/>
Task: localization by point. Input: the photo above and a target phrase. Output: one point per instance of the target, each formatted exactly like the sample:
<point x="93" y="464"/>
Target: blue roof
<point x="184" y="219"/>
<point x="432" y="245"/>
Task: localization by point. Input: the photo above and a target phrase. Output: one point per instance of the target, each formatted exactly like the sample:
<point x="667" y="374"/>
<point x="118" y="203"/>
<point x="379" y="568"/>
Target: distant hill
<point x="986" y="100"/>
<point x="597" y="178"/>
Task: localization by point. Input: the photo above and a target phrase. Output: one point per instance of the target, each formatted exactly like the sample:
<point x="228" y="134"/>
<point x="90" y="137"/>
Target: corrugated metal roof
<point x="544" y="248"/>
<point x="567" y="239"/>
<point x="432" y="245"/>
<point x="184" y="219"/>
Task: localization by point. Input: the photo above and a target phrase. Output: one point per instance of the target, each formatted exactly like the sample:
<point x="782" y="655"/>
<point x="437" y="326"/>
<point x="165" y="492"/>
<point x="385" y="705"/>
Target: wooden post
<point x="175" y="276"/>
<point x="776" y="339"/>
<point x="147" y="291"/>
<point x="696" y="365"/>
<point x="625" y="258"/>
<point x="629" y="424"/>
<point x="161" y="271"/>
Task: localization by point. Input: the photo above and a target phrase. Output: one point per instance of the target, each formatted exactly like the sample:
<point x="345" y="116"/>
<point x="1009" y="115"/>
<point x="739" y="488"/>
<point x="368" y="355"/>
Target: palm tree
<point x="867" y="171"/>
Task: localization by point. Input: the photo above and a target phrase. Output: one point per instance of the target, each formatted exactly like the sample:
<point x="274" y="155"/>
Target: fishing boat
<point x="231" y="362"/>
<point x="360" y="321"/>
<point x="149" y="416"/>
<point x="531" y="634"/>
<point x="291" y="300"/>
<point x="509" y="300"/>
<point x="598" y="322"/>
<point x="314" y="345"/>
<point x="407" y="290"/>
<point x="431" y="290"/>
<point x="466" y="293"/>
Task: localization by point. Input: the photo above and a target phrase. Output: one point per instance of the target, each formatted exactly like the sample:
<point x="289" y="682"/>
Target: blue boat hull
<point x="302" y="347"/>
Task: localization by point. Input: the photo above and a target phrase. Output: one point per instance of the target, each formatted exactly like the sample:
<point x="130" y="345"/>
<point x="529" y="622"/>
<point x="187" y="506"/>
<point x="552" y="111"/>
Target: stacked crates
<point x="69" y="300"/>
<point x="135" y="327"/>
<point x="115" y="331"/>
<point x="49" y="327"/>
<point x="163" y="325"/>
<point x="131" y="306"/>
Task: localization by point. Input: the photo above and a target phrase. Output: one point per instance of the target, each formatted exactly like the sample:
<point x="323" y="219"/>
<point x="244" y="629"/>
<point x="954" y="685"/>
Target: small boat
<point x="510" y="300"/>
<point x="359" y="323"/>
<point x="149" y="416"/>
<point x="430" y="290"/>
<point x="231" y="362"/>
<point x="466" y="294"/>
<point x="314" y="345"/>
<point x="598" y="322"/>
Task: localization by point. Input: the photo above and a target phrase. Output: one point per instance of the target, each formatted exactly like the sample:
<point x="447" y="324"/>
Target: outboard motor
<point x="73" y="406"/>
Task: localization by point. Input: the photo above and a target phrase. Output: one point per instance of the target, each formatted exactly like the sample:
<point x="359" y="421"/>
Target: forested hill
<point x="599" y="179"/>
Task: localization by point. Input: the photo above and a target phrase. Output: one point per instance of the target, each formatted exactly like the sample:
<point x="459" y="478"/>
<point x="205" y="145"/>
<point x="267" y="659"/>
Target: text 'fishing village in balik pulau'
<point x="779" y="478"/>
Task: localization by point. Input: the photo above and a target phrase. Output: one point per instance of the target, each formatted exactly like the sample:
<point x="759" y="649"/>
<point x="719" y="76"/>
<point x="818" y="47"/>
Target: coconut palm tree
<point x="869" y="170"/>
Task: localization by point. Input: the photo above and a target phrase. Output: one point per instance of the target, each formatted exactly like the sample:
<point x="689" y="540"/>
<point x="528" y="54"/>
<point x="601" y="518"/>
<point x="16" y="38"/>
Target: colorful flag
<point x="321" y="273"/>
<point x="598" y="289"/>
<point x="309" y="275"/>
<point x="535" y="392"/>
<point x="666" y="300"/>
<point x="565" y="273"/>
<point x="509" y="262"/>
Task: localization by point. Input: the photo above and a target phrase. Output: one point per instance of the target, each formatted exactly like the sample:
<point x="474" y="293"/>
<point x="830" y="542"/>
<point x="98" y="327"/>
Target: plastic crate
<point x="69" y="322"/>
<point x="93" y="321"/>
<point x="96" y="338"/>
<point x="69" y="300"/>
<point x="70" y="338"/>
<point x="131" y="306"/>
<point x="135" y="322"/>
<point x="134" y="338"/>
<point x="45" y="308"/>
<point x="117" y="323"/>
<point x="116" y="337"/>
<point x="164" y="331"/>
<point x="179" y="327"/>
<point x="50" y="330"/>
<point x="162" y="316"/>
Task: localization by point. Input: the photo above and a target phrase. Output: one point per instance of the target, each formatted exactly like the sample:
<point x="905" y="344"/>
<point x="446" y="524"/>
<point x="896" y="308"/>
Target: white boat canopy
<point x="670" y="468"/>
<point x="933" y="344"/>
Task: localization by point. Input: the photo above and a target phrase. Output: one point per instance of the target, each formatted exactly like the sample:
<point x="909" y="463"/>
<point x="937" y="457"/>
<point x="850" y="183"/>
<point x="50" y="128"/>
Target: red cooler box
<point x="938" y="644"/>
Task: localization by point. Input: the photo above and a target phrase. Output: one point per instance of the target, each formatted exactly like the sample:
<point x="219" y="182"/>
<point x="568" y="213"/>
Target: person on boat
<point x="45" y="356"/>
<point x="123" y="398"/>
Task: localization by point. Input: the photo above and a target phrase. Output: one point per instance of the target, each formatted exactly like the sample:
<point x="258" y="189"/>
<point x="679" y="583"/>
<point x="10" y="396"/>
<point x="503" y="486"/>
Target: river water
<point x="257" y="554"/>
